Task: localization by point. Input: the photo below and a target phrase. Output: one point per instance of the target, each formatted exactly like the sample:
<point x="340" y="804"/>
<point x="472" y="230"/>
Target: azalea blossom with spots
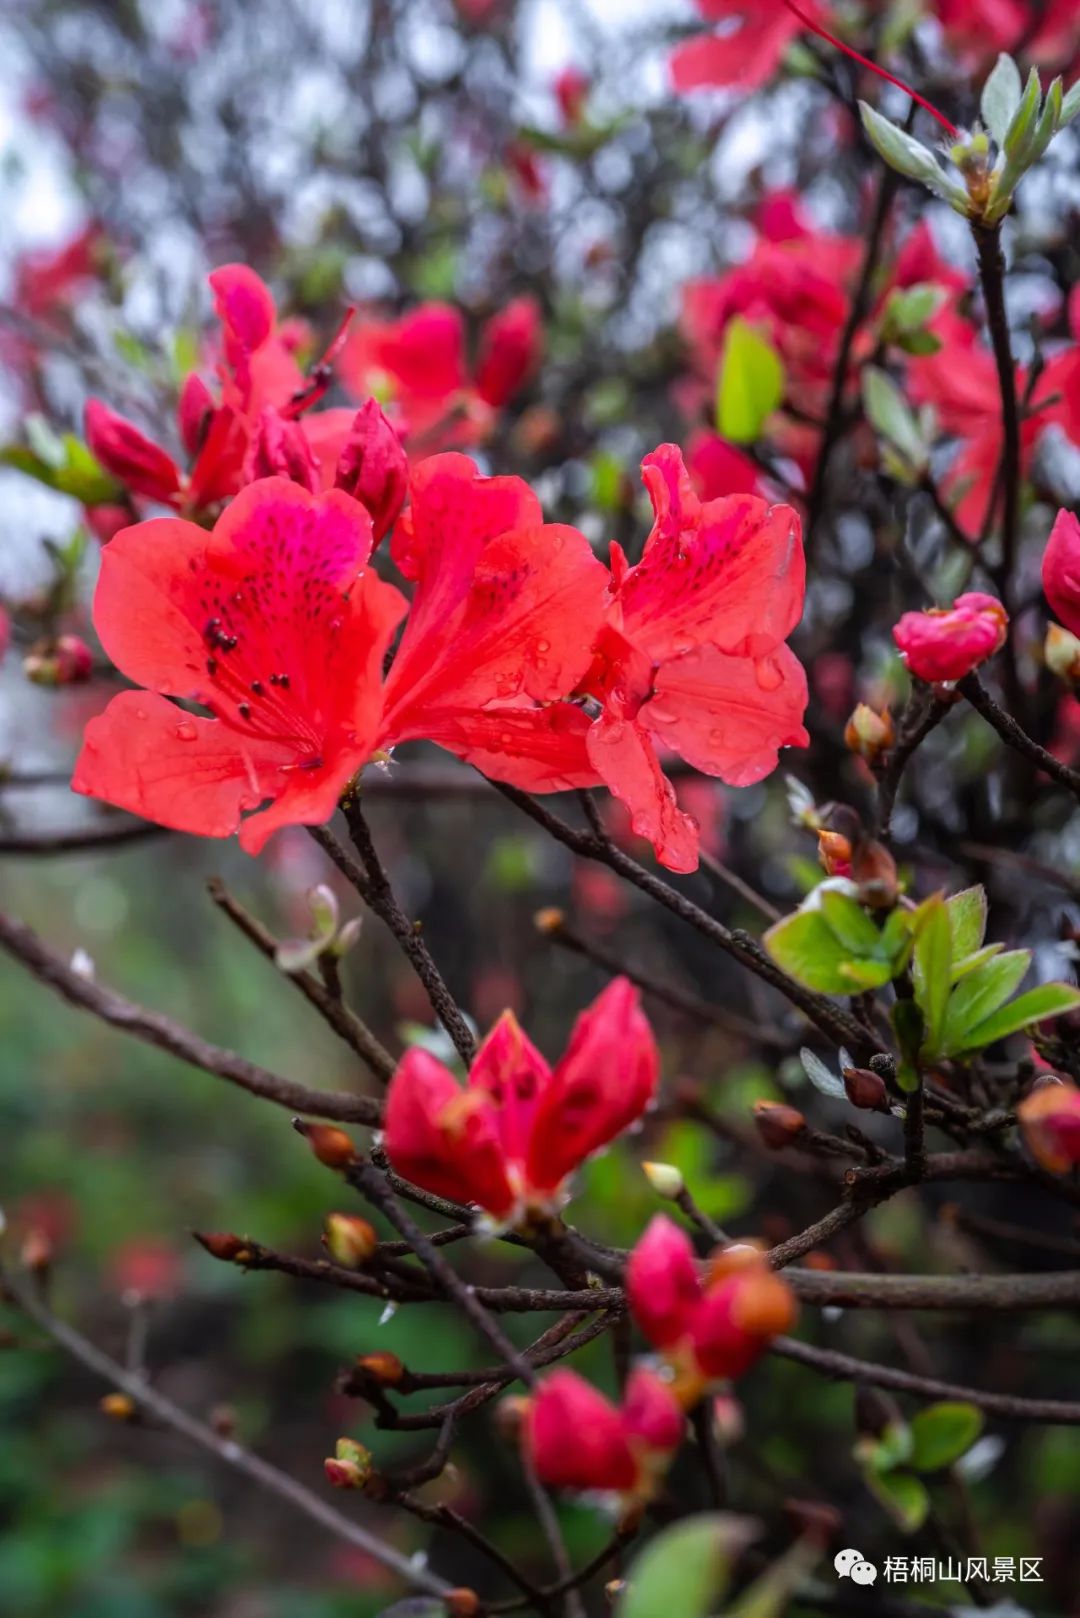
<point x="260" y="647"/>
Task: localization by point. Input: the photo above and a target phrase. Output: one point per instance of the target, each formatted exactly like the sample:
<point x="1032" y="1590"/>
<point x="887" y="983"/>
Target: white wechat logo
<point x="850" y="1564"/>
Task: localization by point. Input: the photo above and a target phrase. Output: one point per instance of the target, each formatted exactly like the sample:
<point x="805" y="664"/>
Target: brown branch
<point x="154" y="1028"/>
<point x="830" y="1018"/>
<point x="1014" y="736"/>
<point x="345" y="1023"/>
<point x="846" y="1368"/>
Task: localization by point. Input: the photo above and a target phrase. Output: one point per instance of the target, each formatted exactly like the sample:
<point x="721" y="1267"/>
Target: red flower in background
<point x="1061" y="570"/>
<point x="270" y="625"/>
<point x="978" y="29"/>
<point x="510" y="1139"/>
<point x="1049" y="1121"/>
<point x="692" y="655"/>
<point x="945" y="644"/>
<point x="420" y="360"/>
<point x="499" y="629"/>
<point x="577" y="1439"/>
<point x="48" y="279"/>
<point x="707" y="1328"/>
<point x="746" y="54"/>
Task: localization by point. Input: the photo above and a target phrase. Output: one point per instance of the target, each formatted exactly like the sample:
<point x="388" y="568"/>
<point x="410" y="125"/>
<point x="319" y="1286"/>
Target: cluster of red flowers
<point x="262" y="644"/>
<point x="707" y="1325"/>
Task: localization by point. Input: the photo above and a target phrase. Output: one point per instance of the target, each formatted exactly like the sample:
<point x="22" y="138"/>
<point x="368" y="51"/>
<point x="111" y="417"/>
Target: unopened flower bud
<point x="223" y="1245"/>
<point x="869" y="733"/>
<point x="729" y="1423"/>
<point x="549" y="920"/>
<point x="1061" y="653"/>
<point x="67" y="660"/>
<point x="279" y="448"/>
<point x="510" y="1414"/>
<point x="350" y="1466"/>
<point x="461" y="1603"/>
<point x="874" y="869"/>
<point x="117" y="1406"/>
<point x="665" y="1179"/>
<point x="834" y="852"/>
<point x="778" y="1124"/>
<point x="37" y="1252"/>
<point x="373" y="467"/>
<point x="331" y="1146"/>
<point x="865" y="1089"/>
<point x="381" y="1367"/>
<point x="350" y="1241"/>
<point x="1049" y="1120"/>
<point x="614" y="1590"/>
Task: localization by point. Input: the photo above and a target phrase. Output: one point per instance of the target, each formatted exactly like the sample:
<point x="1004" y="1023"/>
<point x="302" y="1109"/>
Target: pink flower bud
<point x="576" y="1437"/>
<point x="1049" y="1121"/>
<point x="125" y="451"/>
<point x="662" y="1283"/>
<point x="1061" y="570"/>
<point x="509" y="351"/>
<point x="651" y="1413"/>
<point x="373" y="467"/>
<point x="106" y="521"/>
<point x="571" y="89"/>
<point x="193" y="412"/>
<point x="278" y="448"/>
<point x="64" y="661"/>
<point x="945" y="644"/>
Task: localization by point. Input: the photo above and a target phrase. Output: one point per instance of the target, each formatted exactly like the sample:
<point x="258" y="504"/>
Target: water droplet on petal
<point x="185" y="731"/>
<point x="770" y="676"/>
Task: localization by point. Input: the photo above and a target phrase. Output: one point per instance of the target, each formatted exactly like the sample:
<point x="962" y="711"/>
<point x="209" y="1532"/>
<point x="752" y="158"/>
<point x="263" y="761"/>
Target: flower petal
<point x="624" y="756"/>
<point x="729" y="574"/>
<point x="442" y="1139"/>
<point x="146" y="755"/>
<point x="729" y="716"/>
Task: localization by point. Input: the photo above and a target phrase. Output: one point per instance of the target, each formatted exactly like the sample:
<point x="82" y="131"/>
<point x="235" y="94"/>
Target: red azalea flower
<point x="270" y="624"/>
<point x="978" y="29"/>
<point x="421" y="359"/>
<point x="47" y="280"/>
<point x="509" y="1140"/>
<point x="1061" y="570"/>
<point x="1049" y="1121"/>
<point x="692" y="654"/>
<point x="717" y="468"/>
<point x="707" y="1328"/>
<point x="499" y="629"/>
<point x="579" y="1440"/>
<point x="945" y="644"/>
<point x="747" y="53"/>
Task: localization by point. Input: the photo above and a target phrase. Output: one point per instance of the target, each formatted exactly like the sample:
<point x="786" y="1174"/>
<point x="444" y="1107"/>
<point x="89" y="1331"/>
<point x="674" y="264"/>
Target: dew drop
<point x="543" y="646"/>
<point x="769" y="674"/>
<point x="186" y="732"/>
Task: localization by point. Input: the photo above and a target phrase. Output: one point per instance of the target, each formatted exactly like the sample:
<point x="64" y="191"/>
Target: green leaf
<point x="933" y="969"/>
<point x="890" y="1450"/>
<point x="749" y="385"/>
<point x="967" y="918"/>
<point x="1070" y="106"/>
<point x="685" y="1569"/>
<point x="69" y="467"/>
<point x="911" y="158"/>
<point x="981" y="992"/>
<point x="1018" y="134"/>
<point x="807" y="948"/>
<point x="942" y="1433"/>
<point x="1002" y="94"/>
<point x="903" y="1496"/>
<point x="1049" y="1000"/>
<point x="971" y="963"/>
<point x="889" y="414"/>
<point x="848" y="921"/>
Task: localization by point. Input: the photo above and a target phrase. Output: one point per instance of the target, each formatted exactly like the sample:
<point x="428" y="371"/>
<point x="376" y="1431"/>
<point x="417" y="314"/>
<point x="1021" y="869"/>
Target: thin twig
<point x="154" y="1028"/>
